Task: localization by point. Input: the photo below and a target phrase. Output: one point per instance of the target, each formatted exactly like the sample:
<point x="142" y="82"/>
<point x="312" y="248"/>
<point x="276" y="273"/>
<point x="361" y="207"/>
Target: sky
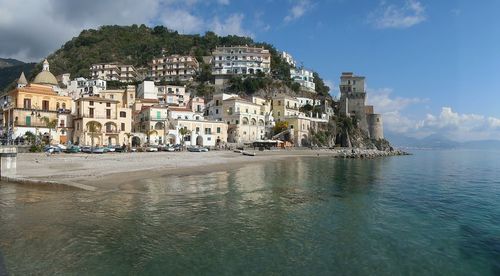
<point x="431" y="67"/>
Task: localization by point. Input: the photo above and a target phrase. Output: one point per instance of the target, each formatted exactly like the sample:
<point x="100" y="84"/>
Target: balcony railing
<point x="97" y="117"/>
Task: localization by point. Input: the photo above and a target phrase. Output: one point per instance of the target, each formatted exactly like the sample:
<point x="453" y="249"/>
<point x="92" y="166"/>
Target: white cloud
<point x="298" y="10"/>
<point x="231" y="26"/>
<point x="409" y="14"/>
<point x="45" y="25"/>
<point x="182" y="21"/>
<point x="382" y="101"/>
<point x="460" y="127"/>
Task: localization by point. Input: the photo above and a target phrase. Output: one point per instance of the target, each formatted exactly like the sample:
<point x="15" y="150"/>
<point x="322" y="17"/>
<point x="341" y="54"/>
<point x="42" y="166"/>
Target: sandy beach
<point x="97" y="171"/>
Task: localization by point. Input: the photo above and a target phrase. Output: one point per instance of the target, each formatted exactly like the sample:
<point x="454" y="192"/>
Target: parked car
<point x="73" y="149"/>
<point x="120" y="149"/>
<point x="52" y="149"/>
<point x="177" y="147"/>
<point x="193" y="149"/>
<point x="152" y="149"/>
<point x="99" y="150"/>
<point x="86" y="149"/>
<point x="110" y="148"/>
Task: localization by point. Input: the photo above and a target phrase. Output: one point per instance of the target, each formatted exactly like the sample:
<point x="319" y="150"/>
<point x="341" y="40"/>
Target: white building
<point x="288" y="59"/>
<point x="81" y="87"/>
<point x="113" y="72"/>
<point x="308" y="101"/>
<point x="166" y="94"/>
<point x="241" y="60"/>
<point x="303" y="77"/>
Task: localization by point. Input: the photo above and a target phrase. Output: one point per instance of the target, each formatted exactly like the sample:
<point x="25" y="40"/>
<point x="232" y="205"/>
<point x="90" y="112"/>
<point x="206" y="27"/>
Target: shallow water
<point x="433" y="213"/>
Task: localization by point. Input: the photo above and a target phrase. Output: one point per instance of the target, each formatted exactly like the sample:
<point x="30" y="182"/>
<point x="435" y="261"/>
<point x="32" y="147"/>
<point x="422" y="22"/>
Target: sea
<point x="436" y="212"/>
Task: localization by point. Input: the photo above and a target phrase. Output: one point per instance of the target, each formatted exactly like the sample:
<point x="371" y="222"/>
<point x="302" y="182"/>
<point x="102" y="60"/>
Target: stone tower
<point x="353" y="97"/>
<point x="352" y="103"/>
<point x="375" y="126"/>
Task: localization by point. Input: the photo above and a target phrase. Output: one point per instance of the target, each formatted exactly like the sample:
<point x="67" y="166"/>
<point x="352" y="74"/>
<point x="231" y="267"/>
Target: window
<point x="208" y="131"/>
<point x="246" y="110"/>
<point x="279" y="102"/>
<point x="108" y="113"/>
<point x="158" y="115"/>
<point x="27" y="103"/>
<point x="28" y="120"/>
<point x="91" y="103"/>
<point x="62" y="124"/>
<point x="77" y="126"/>
<point x="57" y="106"/>
<point x="216" y="111"/>
<point x="123" y="126"/>
<point x="91" y="112"/>
<point x="197" y="129"/>
<point x="218" y="130"/>
<point x="237" y="122"/>
<point x="123" y="114"/>
<point x="108" y="104"/>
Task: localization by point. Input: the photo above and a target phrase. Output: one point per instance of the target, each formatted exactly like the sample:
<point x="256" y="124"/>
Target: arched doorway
<point x="136" y="141"/>
<point x="199" y="140"/>
<point x="304" y="142"/>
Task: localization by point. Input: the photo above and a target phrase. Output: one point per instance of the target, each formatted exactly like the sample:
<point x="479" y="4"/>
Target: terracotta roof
<point x="179" y="109"/>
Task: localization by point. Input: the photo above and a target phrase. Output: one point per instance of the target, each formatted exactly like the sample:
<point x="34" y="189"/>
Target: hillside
<point x="137" y="45"/>
<point x="10" y="69"/>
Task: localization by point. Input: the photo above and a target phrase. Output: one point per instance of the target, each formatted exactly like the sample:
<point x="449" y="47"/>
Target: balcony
<point x="101" y="117"/>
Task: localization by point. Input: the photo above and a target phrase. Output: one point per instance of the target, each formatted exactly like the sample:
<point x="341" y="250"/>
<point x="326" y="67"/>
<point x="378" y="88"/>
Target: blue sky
<point x="431" y="66"/>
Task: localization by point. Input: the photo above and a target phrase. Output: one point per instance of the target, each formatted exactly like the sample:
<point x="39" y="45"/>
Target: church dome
<point x="45" y="77"/>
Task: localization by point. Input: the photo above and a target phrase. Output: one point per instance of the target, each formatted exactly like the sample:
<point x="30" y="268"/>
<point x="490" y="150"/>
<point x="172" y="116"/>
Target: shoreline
<point x="91" y="172"/>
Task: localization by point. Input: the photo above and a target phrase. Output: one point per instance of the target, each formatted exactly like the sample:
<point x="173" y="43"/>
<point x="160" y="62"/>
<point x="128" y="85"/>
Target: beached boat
<point x="248" y="153"/>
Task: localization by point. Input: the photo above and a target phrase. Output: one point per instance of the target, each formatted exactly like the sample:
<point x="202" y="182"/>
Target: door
<point x="28" y="120"/>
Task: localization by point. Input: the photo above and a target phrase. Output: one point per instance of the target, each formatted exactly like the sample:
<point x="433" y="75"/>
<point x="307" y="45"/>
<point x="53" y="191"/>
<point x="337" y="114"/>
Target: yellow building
<point x="101" y="121"/>
<point x="30" y="106"/>
<point x="151" y="121"/>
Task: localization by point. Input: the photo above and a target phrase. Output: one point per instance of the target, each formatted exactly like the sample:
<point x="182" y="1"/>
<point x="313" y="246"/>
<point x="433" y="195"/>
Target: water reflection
<point x="297" y="216"/>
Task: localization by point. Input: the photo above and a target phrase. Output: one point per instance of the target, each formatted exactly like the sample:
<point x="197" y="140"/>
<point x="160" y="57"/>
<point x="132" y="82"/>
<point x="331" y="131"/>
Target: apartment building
<point x="199" y="132"/>
<point x="288" y="58"/>
<point x="304" y="77"/>
<point x="82" y="87"/>
<point x="101" y="121"/>
<point x="245" y="119"/>
<point x="113" y="72"/>
<point x="240" y="60"/>
<point x="152" y="122"/>
<point x="174" y="67"/>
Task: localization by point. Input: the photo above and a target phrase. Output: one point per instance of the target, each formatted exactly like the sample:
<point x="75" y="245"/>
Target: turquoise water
<point x="432" y="213"/>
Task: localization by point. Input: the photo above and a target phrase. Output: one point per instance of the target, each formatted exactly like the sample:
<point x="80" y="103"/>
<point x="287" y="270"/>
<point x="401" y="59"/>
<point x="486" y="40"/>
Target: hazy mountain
<point x="10" y="70"/>
<point x="9" y="62"/>
<point x="437" y="141"/>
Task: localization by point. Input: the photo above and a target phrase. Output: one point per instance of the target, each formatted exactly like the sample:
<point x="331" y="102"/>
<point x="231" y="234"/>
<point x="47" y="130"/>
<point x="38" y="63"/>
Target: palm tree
<point x="92" y="128"/>
<point x="149" y="132"/>
<point x="183" y="132"/>
<point x="50" y="124"/>
<point x="128" y="134"/>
